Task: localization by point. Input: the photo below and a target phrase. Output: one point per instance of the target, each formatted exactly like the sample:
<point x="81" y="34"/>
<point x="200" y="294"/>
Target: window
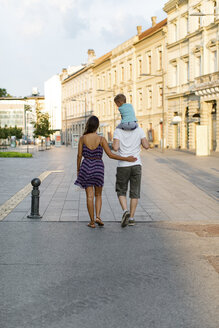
<point x="140" y="99"/>
<point x="215" y="9"/>
<point x="213" y="62"/>
<point x="160" y="58"/>
<point x="174" y="74"/>
<point x="139" y="67"/>
<point x="130" y="71"/>
<point x="149" y="96"/>
<point x="148" y="58"/>
<point x="122" y="74"/>
<point x="109" y="79"/>
<point x="174" y="31"/>
<point x="115" y="76"/>
<point x="103" y="79"/>
<point x="160" y="95"/>
<point x="98" y="82"/>
<point x="130" y="98"/>
<point x="198" y="66"/>
<point x="187" y="71"/>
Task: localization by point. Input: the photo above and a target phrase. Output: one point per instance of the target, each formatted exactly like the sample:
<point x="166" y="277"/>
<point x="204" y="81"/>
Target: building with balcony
<point x="192" y="66"/>
<point x="149" y="82"/>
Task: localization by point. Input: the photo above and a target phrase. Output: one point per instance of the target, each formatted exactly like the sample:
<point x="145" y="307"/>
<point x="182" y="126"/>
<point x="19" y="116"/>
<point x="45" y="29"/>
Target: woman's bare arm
<point x="79" y="157"/>
<point x="114" y="156"/>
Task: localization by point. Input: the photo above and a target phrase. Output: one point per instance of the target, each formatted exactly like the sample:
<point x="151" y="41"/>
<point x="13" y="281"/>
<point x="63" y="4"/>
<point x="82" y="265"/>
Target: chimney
<point x="154" y="20"/>
<point x="63" y="74"/>
<point x="91" y="56"/>
<point x="139" y="29"/>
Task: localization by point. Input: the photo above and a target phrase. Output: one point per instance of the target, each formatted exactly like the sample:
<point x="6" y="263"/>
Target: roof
<point x="102" y="59"/>
<point x="153" y="29"/>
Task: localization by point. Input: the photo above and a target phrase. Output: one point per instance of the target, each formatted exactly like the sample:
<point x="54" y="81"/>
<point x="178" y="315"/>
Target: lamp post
<point x="162" y="131"/>
<point x="27" y="108"/>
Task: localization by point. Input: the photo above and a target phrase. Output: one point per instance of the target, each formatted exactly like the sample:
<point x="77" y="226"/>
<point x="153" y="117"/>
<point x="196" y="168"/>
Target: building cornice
<point x="186" y="38"/>
<point x="172" y="4"/>
<point x="72" y="76"/>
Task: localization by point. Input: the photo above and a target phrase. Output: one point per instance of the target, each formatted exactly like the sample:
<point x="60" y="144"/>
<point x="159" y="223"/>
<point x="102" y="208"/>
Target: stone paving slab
<point x="167" y="194"/>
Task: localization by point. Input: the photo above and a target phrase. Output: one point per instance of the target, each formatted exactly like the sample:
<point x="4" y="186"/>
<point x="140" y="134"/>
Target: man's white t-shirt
<point x="129" y="145"/>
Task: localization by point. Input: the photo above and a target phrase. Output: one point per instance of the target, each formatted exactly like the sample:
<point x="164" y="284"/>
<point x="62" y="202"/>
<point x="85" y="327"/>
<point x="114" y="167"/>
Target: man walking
<point x="129" y="143"/>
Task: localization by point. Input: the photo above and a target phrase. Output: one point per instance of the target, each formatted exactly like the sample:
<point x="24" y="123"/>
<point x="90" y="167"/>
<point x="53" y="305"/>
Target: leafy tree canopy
<point x="42" y="125"/>
<point x="3" y="93"/>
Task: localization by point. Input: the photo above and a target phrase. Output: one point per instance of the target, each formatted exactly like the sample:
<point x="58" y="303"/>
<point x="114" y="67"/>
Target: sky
<point x="40" y="37"/>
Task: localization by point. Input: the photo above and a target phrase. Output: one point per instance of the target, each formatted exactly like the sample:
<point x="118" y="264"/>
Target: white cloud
<point x="57" y="33"/>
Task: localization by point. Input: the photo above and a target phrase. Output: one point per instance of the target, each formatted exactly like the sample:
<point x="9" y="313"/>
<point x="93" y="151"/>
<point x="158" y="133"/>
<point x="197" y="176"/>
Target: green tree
<point x="42" y="125"/>
<point x="3" y="93"/>
<point x="15" y="131"/>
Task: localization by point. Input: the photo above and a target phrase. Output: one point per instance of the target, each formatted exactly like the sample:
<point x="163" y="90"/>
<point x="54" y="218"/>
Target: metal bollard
<point x="35" y="200"/>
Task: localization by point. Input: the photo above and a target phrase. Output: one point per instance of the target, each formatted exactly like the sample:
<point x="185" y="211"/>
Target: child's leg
<point x="90" y="202"/>
<point x="128" y="126"/>
<point x="98" y="200"/>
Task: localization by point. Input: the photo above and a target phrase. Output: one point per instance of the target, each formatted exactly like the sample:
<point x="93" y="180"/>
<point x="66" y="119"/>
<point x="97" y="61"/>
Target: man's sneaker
<point x="131" y="222"/>
<point x="125" y="219"/>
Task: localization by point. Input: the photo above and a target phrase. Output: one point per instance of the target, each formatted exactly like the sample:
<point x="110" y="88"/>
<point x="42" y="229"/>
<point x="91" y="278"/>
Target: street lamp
<point x="27" y="108"/>
<point x="160" y="75"/>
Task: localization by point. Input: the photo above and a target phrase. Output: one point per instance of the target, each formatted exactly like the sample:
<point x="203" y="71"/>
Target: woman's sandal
<point x="99" y="222"/>
<point x="91" y="225"/>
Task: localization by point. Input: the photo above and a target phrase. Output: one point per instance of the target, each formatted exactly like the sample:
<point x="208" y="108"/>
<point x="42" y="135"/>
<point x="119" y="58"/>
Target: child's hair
<point x="120" y="98"/>
<point x="92" y="125"/>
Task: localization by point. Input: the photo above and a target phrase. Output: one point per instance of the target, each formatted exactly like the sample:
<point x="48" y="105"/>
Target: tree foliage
<point x="42" y="125"/>
<point x="7" y="132"/>
<point x="3" y="93"/>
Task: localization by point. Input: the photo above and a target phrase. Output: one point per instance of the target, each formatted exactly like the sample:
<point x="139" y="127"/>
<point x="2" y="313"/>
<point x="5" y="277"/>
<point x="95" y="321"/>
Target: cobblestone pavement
<point x="175" y="186"/>
<point x="161" y="273"/>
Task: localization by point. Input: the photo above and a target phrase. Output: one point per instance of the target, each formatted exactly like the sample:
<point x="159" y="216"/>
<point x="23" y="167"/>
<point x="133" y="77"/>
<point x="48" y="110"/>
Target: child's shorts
<point x="128" y="126"/>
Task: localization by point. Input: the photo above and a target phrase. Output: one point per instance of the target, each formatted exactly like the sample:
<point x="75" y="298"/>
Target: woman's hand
<point x="131" y="159"/>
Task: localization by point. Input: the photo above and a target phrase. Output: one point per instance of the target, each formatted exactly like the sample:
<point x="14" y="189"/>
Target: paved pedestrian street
<point x="55" y="272"/>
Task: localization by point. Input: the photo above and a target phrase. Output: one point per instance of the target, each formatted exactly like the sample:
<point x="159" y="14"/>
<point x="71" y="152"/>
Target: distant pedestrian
<point x="129" y="120"/>
<point x="90" y="173"/>
<point x="126" y="143"/>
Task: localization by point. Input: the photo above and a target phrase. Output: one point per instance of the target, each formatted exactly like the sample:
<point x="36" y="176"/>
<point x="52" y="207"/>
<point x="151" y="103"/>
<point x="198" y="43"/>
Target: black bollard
<point x="35" y="200"/>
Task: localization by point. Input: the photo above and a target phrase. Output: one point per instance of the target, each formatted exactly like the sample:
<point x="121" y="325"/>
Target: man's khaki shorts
<point x="126" y="174"/>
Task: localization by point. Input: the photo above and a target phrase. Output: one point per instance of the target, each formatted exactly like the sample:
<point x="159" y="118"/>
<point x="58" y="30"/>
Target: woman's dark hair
<point x="92" y="125"/>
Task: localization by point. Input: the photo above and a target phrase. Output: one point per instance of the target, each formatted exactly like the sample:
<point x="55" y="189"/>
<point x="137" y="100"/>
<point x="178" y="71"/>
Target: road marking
<point x="10" y="204"/>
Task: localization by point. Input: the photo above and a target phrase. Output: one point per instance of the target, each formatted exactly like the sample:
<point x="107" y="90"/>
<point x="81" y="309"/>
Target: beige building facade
<point x="192" y="72"/>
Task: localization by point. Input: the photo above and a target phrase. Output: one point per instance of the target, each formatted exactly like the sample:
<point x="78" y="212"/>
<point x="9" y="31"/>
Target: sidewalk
<point x="175" y="187"/>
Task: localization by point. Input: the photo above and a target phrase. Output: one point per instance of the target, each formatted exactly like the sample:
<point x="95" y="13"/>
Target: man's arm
<point x="115" y="144"/>
<point x="145" y="143"/>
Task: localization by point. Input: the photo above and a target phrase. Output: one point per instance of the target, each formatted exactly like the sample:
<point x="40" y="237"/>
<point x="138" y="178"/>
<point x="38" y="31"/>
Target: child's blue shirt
<point x="127" y="113"/>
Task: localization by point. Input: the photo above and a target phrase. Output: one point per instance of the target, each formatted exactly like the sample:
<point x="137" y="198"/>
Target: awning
<point x="176" y="120"/>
